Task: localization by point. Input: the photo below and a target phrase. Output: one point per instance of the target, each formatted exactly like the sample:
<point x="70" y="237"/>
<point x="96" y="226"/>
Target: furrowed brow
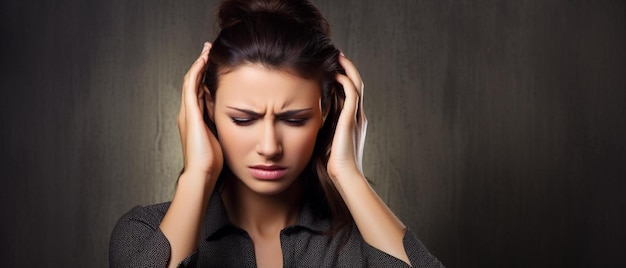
<point x="292" y="112"/>
<point x="247" y="112"/>
<point x="281" y="115"/>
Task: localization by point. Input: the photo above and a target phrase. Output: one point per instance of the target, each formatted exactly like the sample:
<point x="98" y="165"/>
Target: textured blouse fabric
<point x="137" y="241"/>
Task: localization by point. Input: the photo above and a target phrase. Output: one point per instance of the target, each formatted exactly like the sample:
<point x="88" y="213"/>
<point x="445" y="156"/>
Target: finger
<point x="194" y="75"/>
<point x="352" y="73"/>
<point x="200" y="91"/>
<point x="181" y="121"/>
<point x="347" y="124"/>
<point x="189" y="98"/>
<point x="191" y="86"/>
<point x="196" y="70"/>
<point x="201" y="99"/>
<point x="355" y="77"/>
<point x="351" y="102"/>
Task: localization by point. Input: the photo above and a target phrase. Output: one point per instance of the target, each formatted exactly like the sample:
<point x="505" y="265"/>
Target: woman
<point x="272" y="128"/>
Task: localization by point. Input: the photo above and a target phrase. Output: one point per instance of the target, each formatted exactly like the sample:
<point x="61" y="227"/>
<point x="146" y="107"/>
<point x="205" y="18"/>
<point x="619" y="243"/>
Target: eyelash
<point x="296" y="122"/>
<point x="242" y="121"/>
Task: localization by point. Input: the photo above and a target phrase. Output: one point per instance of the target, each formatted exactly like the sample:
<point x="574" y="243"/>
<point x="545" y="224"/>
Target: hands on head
<point x="348" y="143"/>
<point x="203" y="160"/>
<point x="201" y="150"/>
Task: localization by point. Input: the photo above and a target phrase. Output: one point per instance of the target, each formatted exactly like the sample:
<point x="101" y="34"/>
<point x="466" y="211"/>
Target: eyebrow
<point x="283" y="114"/>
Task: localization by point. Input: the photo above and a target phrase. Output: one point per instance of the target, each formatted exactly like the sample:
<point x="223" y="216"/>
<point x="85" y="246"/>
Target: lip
<point x="271" y="172"/>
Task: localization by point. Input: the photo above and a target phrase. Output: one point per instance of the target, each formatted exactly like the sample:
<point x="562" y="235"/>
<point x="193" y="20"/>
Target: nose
<point x="269" y="144"/>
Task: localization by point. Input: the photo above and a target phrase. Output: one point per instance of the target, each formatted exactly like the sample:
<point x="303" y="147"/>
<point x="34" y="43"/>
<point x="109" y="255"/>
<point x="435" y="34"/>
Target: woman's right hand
<point x="201" y="150"/>
<point x="203" y="163"/>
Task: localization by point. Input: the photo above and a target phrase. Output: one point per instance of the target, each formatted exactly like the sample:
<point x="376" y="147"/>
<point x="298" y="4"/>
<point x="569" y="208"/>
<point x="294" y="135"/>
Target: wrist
<point x="347" y="176"/>
<point x="197" y="180"/>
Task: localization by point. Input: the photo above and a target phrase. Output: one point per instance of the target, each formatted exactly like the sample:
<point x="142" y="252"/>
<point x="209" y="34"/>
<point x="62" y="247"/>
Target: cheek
<point x="300" y="143"/>
<point x="235" y="141"/>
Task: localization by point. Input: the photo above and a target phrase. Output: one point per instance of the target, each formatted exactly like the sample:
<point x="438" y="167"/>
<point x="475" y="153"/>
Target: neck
<point x="261" y="214"/>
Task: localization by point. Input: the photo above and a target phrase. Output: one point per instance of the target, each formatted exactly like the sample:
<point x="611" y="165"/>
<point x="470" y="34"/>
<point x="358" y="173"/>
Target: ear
<point x="209" y="103"/>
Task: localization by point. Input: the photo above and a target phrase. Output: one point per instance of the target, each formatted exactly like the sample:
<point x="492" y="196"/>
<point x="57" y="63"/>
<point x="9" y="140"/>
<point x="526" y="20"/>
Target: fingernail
<point x="341" y="53"/>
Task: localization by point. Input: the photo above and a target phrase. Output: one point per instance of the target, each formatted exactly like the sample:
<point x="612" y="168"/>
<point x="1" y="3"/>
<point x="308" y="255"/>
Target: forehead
<point x="254" y="84"/>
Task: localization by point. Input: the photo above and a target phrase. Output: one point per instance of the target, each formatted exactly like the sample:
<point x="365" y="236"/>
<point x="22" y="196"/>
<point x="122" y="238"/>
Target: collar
<point x="216" y="222"/>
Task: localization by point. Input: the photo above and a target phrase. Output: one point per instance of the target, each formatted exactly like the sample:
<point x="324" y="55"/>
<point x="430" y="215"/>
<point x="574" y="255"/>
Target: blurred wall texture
<point x="497" y="128"/>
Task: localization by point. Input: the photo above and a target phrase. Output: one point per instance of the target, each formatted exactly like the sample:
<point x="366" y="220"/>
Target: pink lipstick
<point x="263" y="172"/>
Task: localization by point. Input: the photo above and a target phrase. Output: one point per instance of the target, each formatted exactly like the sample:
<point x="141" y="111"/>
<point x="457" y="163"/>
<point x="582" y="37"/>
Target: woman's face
<point x="267" y="122"/>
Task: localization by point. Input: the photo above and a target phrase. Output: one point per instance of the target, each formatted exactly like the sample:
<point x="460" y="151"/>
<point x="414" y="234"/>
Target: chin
<point x="267" y="187"/>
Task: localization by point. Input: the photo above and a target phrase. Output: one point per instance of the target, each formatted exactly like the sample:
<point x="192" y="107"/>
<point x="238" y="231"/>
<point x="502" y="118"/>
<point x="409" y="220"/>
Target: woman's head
<point x="285" y="35"/>
<point x="273" y="39"/>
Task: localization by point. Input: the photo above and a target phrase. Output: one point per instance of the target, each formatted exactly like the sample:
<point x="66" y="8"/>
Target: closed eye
<point x="295" y="121"/>
<point x="242" y="121"/>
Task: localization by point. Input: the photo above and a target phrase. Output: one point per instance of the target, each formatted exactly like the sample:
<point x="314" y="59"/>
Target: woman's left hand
<point x="346" y="157"/>
<point x="377" y="224"/>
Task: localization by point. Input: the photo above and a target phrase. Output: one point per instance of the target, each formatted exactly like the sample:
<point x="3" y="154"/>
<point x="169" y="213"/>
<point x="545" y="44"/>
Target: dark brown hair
<point x="292" y="36"/>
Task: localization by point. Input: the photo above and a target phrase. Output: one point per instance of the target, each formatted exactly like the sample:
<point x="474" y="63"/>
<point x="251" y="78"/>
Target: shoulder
<point x="139" y="229"/>
<point x="150" y="215"/>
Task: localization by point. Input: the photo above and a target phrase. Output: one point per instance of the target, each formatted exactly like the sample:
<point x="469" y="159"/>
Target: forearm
<point x="181" y="224"/>
<point x="377" y="224"/>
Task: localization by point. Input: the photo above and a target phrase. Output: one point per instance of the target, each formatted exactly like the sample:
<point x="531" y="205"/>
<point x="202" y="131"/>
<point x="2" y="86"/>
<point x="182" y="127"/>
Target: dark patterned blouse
<point x="137" y="241"/>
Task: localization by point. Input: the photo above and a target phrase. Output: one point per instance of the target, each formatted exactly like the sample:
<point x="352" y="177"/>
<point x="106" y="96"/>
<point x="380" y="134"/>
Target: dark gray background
<point x="496" y="127"/>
